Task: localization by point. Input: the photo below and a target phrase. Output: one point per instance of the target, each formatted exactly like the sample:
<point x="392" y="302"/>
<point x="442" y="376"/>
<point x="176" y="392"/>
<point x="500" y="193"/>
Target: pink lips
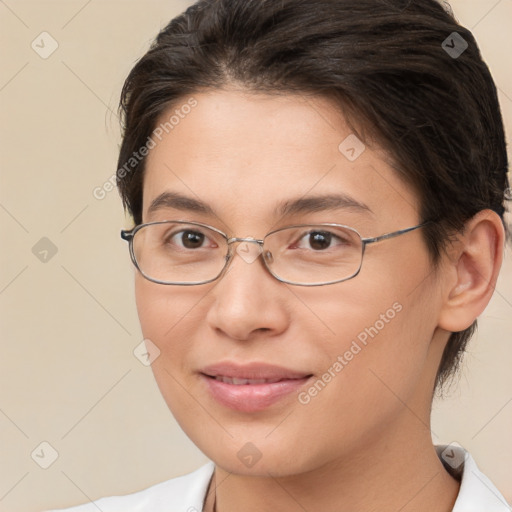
<point x="251" y="387"/>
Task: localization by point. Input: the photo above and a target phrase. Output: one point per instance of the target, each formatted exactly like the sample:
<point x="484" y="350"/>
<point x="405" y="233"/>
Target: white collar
<point x="477" y="493"/>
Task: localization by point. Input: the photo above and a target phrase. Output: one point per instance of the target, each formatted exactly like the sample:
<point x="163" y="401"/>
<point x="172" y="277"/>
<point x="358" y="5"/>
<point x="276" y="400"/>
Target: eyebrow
<point x="289" y="207"/>
<point x="179" y="202"/>
<point x="320" y="203"/>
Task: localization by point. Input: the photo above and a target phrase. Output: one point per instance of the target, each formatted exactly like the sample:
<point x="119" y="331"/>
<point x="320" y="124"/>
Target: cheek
<point x="164" y="313"/>
<point x="154" y="307"/>
<point x="169" y="317"/>
<point x="365" y="385"/>
<point x="159" y="312"/>
<point x="162" y="307"/>
<point x="377" y="350"/>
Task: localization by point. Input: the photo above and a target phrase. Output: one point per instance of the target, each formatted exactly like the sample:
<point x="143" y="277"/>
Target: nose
<point x="247" y="299"/>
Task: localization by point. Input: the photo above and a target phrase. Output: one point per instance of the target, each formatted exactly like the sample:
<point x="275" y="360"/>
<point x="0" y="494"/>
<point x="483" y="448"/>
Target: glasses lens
<point x="176" y="252"/>
<point x="314" y="254"/>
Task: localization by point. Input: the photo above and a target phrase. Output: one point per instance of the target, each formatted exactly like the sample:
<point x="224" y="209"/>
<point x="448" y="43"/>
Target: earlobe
<point x="475" y="268"/>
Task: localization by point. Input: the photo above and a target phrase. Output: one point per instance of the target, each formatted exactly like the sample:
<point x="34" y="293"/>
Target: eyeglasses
<point x="189" y="253"/>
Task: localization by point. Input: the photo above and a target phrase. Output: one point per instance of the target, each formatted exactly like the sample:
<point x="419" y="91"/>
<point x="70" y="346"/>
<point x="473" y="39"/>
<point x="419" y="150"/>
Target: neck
<point x="393" y="472"/>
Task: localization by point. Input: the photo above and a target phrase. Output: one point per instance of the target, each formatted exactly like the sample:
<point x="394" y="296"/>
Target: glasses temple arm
<point x="394" y="233"/>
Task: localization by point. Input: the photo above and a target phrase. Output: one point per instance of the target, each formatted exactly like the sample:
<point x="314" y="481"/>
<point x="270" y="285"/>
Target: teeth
<point x="239" y="382"/>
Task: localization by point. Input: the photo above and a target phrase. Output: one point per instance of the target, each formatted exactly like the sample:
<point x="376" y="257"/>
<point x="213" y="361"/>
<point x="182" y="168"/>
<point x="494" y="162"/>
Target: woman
<point x="318" y="193"/>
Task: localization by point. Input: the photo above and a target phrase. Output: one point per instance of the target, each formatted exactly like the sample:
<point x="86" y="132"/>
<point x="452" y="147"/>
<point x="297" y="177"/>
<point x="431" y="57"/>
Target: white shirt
<point x="187" y="493"/>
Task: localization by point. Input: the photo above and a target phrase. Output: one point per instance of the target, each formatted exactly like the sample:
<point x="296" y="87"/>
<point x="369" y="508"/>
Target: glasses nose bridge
<point x="245" y="239"/>
<point x="250" y="239"/>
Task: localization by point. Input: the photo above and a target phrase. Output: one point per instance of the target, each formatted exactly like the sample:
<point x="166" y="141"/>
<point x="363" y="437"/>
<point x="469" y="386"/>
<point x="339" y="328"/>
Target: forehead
<point x="244" y="153"/>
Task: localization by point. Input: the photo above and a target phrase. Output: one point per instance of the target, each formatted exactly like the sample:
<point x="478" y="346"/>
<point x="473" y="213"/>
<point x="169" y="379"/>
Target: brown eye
<point x="186" y="239"/>
<point x="320" y="240"/>
<point x="192" y="239"/>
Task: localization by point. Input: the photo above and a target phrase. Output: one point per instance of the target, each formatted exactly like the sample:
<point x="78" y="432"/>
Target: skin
<point x="364" y="442"/>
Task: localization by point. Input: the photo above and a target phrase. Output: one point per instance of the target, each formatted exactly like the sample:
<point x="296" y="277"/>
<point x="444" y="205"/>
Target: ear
<point x="473" y="265"/>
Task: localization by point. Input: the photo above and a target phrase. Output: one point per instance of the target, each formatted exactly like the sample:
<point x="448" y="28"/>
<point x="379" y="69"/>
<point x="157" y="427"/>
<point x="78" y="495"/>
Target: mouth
<point x="251" y="387"/>
<point x="242" y="382"/>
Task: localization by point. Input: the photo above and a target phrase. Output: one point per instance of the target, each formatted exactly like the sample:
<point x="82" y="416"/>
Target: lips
<point x="251" y="387"/>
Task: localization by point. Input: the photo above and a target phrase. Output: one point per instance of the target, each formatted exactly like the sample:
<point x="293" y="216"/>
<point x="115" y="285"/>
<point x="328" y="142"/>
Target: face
<point x="342" y="352"/>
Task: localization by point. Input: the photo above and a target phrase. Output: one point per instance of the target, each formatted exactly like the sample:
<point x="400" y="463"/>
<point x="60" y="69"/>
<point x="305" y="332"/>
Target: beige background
<point x="68" y="375"/>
